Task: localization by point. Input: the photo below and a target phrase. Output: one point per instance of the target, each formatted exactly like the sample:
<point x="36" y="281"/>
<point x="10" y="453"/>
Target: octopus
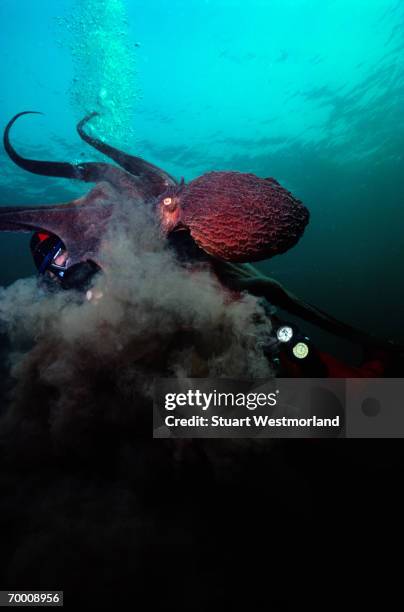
<point x="232" y="216"/>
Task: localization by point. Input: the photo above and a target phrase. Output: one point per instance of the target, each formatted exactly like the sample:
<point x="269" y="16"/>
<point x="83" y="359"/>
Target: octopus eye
<point x="167" y="201"/>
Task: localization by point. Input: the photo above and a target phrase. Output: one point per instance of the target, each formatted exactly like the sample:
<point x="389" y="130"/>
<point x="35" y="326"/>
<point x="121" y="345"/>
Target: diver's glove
<point x="80" y="276"/>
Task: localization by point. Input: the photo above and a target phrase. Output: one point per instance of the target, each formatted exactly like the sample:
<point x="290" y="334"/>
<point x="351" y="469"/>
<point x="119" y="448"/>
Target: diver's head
<point x="52" y="261"/>
<point x="49" y="254"/>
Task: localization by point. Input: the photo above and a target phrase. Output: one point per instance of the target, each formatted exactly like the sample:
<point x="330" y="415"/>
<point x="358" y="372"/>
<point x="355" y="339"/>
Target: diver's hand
<point x="94" y="296"/>
<point x="80" y="276"/>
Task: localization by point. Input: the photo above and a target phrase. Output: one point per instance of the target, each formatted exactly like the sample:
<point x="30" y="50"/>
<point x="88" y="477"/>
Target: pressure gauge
<point x="300" y="350"/>
<point x="284" y="333"/>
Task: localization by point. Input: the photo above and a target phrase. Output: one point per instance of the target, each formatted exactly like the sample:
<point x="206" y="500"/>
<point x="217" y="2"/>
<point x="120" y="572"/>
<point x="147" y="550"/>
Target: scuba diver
<point x="290" y="350"/>
<point x="50" y="255"/>
<point x="51" y="259"/>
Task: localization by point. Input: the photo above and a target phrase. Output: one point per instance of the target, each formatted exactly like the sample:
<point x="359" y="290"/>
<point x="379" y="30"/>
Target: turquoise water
<point x="311" y="93"/>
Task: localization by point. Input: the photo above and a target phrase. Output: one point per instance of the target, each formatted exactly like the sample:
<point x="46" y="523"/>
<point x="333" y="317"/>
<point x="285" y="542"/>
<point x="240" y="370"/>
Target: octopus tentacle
<point x="80" y="224"/>
<point x="158" y="179"/>
<point x="245" y="277"/>
<point x="89" y="172"/>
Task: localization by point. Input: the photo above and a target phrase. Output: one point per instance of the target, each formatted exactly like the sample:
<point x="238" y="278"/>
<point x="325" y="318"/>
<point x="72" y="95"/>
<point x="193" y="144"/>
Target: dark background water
<point x="308" y="92"/>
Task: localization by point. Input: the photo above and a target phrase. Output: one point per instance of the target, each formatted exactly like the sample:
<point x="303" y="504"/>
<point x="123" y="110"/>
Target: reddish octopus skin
<point x="231" y="216"/>
<point x="236" y="216"/>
